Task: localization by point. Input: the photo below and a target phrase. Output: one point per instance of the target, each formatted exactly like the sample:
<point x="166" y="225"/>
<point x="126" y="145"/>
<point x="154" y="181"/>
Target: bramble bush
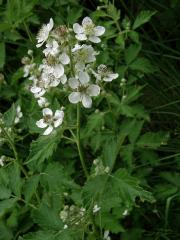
<point x="75" y="141"/>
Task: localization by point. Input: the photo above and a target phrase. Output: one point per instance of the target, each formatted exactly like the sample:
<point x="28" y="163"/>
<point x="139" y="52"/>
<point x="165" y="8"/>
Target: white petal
<point x="47" y="111"/>
<point x="80" y="66"/>
<point x="39" y="44"/>
<point x="50" y="24"/>
<point x="81" y="37"/>
<point x="110" y="77"/>
<point x="58" y="118"/>
<point x="58" y="70"/>
<point x="86" y="101"/>
<point x="75" y="97"/>
<point x="94" y="39"/>
<point x="86" y="21"/>
<point x="73" y="83"/>
<point x="83" y="77"/>
<point x="93" y="90"/>
<point x="39" y="94"/>
<point x="35" y="89"/>
<point x="41" y="123"/>
<point x="63" y="79"/>
<point x="48" y="130"/>
<point x="99" y="30"/>
<point x="64" y="58"/>
<point x="77" y="28"/>
<point x="55" y="82"/>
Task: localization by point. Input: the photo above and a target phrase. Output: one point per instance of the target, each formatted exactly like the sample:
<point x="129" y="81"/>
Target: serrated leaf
<point x="129" y="188"/>
<point x="47" y="218"/>
<point x="43" y="148"/>
<point x="7" y="204"/>
<point x="4" y="192"/>
<point x="108" y="221"/>
<point x="153" y="140"/>
<point x="134" y="36"/>
<point x="15" y="179"/>
<point x="30" y="187"/>
<point x="143" y="65"/>
<point x="5" y="232"/>
<point x="143" y="17"/>
<point x="132" y="52"/>
<point x="9" y="116"/>
<point x="40" y="235"/>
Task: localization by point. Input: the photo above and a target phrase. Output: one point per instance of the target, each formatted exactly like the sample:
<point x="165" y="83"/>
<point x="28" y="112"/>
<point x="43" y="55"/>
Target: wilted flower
<point x="88" y="31"/>
<point x="84" y="90"/>
<point x="50" y="121"/>
<point x="18" y="115"/>
<point x="44" y="33"/>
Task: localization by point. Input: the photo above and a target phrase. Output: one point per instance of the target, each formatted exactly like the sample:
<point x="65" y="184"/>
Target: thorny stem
<point x="79" y="142"/>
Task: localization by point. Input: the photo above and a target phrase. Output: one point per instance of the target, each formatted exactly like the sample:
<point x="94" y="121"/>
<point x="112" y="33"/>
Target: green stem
<point x="79" y="142"/>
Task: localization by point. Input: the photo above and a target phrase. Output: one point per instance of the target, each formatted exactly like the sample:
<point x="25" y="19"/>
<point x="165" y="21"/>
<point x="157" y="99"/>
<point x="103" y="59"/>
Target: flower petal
<point x="58" y="118"/>
<point x="47" y="111"/>
<point x="110" y="77"/>
<point x="35" y="89"/>
<point x="74" y="97"/>
<point x="83" y="77"/>
<point x="99" y="30"/>
<point x="93" y="90"/>
<point x="58" y="70"/>
<point x="64" y="58"/>
<point x="78" y="28"/>
<point x="41" y="123"/>
<point x="86" y="101"/>
<point x="50" y="24"/>
<point x="63" y="79"/>
<point x="48" y="130"/>
<point x="94" y="39"/>
<point x="73" y="83"/>
<point x="81" y="37"/>
<point x="86" y="21"/>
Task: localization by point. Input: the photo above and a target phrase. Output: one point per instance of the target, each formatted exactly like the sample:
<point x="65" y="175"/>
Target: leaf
<point x="111" y="223"/>
<point x="43" y="148"/>
<point x="5" y="233"/>
<point x="15" y="179"/>
<point x="40" y="235"/>
<point x="143" y="65"/>
<point x="132" y="52"/>
<point x="9" y="116"/>
<point x="152" y="140"/>
<point x="7" y="204"/>
<point x="143" y="17"/>
<point x="47" y="218"/>
<point x="110" y="151"/>
<point x="4" y="192"/>
<point x="30" y="187"/>
<point x="2" y="55"/>
<point x="128" y="187"/>
<point x="134" y="36"/>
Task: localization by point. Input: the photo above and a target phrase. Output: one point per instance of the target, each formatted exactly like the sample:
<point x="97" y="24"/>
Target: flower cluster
<point x="72" y="215"/>
<point x="99" y="168"/>
<point x="69" y="61"/>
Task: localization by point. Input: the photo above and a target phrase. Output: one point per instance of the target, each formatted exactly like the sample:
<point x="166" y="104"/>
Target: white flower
<point x="28" y="68"/>
<point x="2" y="160"/>
<point x="43" y="102"/>
<point x="104" y="74"/>
<point x="18" y="115"/>
<point x="65" y="226"/>
<point x="50" y="121"/>
<point x="84" y="90"/>
<point x="38" y="88"/>
<point x="44" y="33"/>
<point x="83" y="54"/>
<point x="52" y="48"/>
<point x="88" y="31"/>
<point x="96" y="208"/>
<point x="106" y="235"/>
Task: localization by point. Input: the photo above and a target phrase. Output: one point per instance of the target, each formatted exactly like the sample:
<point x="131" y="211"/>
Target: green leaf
<point x="134" y="36"/>
<point x="47" y="218"/>
<point x="132" y="52"/>
<point x="31" y="186"/>
<point x="9" y="116"/>
<point x="2" y="54"/>
<point x="4" y="192"/>
<point x="40" y="235"/>
<point x="143" y="17"/>
<point x="153" y="140"/>
<point x="128" y="187"/>
<point x="108" y="221"/>
<point x="15" y="179"/>
<point x="43" y="148"/>
<point x="110" y="151"/>
<point x="143" y="65"/>
<point x="5" y="233"/>
<point x="7" y="204"/>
